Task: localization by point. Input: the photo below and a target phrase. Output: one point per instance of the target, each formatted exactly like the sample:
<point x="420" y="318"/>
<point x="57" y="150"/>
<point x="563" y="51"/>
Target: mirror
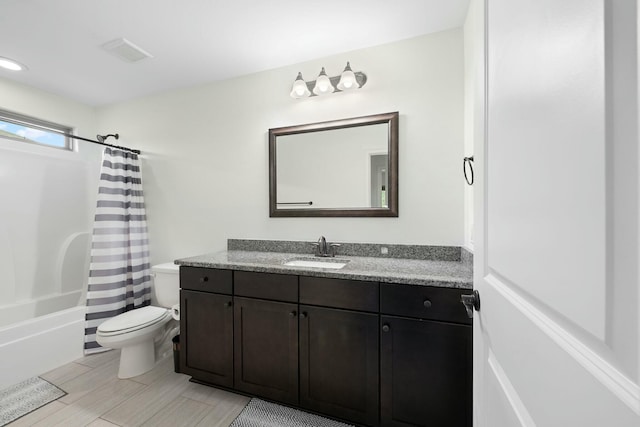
<point x="341" y="168"/>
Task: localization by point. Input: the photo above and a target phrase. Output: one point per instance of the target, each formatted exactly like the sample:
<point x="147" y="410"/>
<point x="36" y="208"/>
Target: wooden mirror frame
<point x="391" y="211"/>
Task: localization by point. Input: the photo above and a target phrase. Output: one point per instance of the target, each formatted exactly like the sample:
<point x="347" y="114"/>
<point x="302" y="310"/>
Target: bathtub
<point x="31" y="346"/>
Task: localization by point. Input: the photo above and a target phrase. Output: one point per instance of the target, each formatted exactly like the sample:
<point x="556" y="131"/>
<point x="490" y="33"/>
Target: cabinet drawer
<point x="339" y="293"/>
<point x="279" y="287"/>
<point x="206" y="279"/>
<point x="424" y="302"/>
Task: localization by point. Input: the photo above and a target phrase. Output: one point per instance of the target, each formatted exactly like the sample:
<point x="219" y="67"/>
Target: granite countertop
<point x="441" y="273"/>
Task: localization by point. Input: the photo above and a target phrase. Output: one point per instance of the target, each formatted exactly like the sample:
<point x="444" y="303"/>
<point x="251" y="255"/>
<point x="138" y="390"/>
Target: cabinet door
<point x="206" y="329"/>
<point x="266" y="349"/>
<point x="425" y="373"/>
<point x="339" y="363"/>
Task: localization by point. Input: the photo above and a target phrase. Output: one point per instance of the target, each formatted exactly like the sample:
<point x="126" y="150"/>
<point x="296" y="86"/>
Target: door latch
<point x="470" y="302"/>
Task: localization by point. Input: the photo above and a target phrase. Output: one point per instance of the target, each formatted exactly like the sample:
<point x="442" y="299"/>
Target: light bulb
<point x="348" y="79"/>
<point x="323" y="84"/>
<point x="299" y="88"/>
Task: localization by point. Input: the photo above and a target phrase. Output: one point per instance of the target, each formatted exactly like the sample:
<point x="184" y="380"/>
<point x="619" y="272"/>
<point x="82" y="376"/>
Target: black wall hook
<point x="469" y="161"/>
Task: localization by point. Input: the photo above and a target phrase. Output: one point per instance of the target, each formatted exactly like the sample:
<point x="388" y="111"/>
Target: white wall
<point x="205" y="162"/>
<point x="473" y="83"/>
<point x="48" y="197"/>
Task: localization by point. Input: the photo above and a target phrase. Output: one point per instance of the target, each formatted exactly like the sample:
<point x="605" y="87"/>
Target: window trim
<point x="35" y="123"/>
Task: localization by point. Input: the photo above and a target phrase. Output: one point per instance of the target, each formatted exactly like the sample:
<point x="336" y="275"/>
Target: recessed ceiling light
<point x="12" y="65"/>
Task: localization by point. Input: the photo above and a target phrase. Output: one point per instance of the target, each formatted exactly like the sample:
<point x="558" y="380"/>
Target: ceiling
<point x="195" y="41"/>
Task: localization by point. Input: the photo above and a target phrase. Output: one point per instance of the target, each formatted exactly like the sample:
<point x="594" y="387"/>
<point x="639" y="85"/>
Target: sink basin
<point x="316" y="263"/>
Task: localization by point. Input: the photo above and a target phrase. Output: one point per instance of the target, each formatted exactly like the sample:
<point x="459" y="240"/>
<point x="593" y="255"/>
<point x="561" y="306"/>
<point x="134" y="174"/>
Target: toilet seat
<point x="133" y="320"/>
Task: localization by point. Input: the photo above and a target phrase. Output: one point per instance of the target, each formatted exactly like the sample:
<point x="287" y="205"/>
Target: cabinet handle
<point x="386" y="328"/>
<point x="228" y="304"/>
<point x="204" y="279"/>
<point x="427" y="303"/>
<point x="303" y="315"/>
<point x="292" y="313"/>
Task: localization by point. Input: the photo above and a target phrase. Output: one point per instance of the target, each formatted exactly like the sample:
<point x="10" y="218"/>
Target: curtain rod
<point x="104" y="143"/>
<point x="115" y="135"/>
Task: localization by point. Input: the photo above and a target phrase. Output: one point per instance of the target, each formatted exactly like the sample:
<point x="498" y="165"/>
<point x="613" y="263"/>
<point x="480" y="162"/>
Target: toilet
<point x="142" y="332"/>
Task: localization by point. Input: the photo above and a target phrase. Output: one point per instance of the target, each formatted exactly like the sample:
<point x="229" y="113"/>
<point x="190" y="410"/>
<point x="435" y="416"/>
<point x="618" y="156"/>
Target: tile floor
<point x="97" y="398"/>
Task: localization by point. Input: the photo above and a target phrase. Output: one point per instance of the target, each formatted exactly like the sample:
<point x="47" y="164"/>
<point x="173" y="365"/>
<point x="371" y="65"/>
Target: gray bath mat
<point x="259" y="413"/>
<point x="27" y="396"/>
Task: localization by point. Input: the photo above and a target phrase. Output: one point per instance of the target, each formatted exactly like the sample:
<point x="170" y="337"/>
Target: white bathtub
<point x="31" y="345"/>
<point x="27" y="310"/>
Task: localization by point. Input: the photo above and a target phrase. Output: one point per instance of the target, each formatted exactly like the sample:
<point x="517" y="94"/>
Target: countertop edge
<point x="370" y="276"/>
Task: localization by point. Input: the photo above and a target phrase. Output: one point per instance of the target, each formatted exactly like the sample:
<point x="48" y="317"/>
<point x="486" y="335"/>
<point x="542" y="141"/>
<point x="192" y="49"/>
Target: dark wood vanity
<point x="364" y="352"/>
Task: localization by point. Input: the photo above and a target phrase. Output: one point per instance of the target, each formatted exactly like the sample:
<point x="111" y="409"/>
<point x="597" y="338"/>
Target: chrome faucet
<point x="322" y="247"/>
<point x="325" y="249"/>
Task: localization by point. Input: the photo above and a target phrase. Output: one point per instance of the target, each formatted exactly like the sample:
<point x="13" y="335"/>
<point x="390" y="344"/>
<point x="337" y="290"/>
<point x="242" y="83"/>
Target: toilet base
<point x="137" y="359"/>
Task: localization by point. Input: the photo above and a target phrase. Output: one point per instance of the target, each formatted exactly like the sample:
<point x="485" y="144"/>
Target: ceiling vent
<point x="125" y="50"/>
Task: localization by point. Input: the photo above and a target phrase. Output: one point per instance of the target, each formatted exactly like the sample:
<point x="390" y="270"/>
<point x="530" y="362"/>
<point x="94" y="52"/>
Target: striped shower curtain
<point x="119" y="276"/>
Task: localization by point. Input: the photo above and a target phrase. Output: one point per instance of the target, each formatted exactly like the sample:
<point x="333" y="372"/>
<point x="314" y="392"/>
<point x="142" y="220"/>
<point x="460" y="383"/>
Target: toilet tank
<point x="166" y="284"/>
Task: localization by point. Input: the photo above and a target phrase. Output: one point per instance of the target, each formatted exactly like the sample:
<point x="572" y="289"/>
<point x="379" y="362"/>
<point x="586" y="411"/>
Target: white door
<point x="557" y="337"/>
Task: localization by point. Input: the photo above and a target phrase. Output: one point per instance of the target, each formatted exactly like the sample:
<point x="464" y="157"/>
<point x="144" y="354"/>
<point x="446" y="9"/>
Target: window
<point x="28" y="129"/>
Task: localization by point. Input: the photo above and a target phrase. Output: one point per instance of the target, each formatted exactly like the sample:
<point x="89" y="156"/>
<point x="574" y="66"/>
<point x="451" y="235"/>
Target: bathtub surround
<point x="44" y="227"/>
<point x="25" y="397"/>
<point x="44" y="236"/>
<point x="119" y="276"/>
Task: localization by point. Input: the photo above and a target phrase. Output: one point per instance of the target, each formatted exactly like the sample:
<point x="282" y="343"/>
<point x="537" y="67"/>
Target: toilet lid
<point x="134" y="319"/>
<point x="167" y="267"/>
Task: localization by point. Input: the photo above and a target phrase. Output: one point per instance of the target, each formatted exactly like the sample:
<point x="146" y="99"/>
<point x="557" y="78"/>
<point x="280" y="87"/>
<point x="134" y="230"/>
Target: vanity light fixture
<point x="324" y="84"/>
<point x="12" y="65"/>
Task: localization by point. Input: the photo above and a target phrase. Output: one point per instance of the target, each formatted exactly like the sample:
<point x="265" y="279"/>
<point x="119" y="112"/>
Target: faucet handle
<point x="333" y="247"/>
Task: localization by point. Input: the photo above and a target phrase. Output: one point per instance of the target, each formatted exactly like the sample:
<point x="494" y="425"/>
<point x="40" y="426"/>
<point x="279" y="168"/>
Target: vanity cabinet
<point x="368" y="353"/>
<point x="206" y="325"/>
<point x="425" y="358"/>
